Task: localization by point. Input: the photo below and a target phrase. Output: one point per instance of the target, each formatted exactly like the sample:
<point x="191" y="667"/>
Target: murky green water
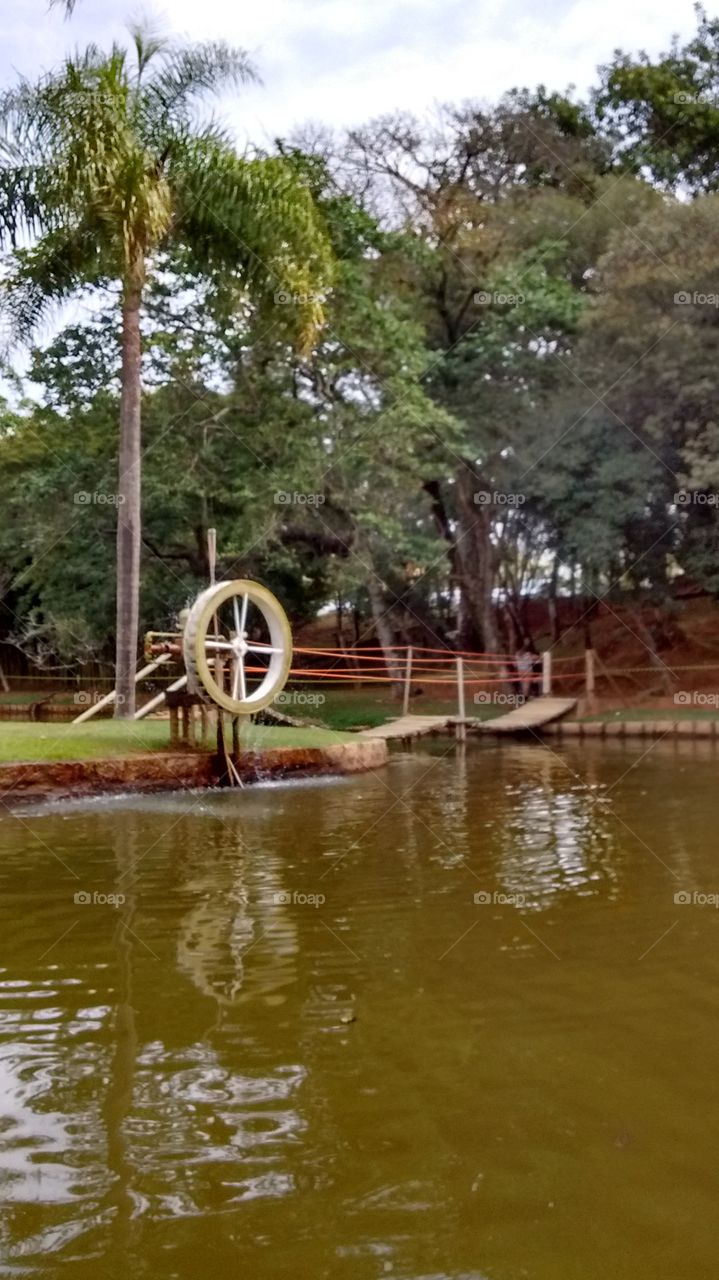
<point x="529" y="1085"/>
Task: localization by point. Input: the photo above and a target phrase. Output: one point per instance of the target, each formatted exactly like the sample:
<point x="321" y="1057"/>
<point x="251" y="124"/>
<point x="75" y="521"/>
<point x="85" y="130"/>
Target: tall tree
<point x="662" y="114"/>
<point x="105" y="167"/>
<point x="489" y="201"/>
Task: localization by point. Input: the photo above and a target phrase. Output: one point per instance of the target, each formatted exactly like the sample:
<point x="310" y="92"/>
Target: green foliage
<point x="662" y="115"/>
<point x="347" y="346"/>
<point x="105" y="158"/>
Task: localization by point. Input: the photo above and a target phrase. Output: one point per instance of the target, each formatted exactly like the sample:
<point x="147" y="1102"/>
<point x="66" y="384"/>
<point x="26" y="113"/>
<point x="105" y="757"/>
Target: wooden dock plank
<point x="407" y="727"/>
<point x="531" y="715"/>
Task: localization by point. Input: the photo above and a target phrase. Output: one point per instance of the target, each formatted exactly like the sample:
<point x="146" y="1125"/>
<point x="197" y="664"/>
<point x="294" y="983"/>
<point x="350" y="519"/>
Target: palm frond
<point x="22" y="210"/>
<point x="60" y="131"/>
<point x="256" y="217"/>
<point x="147" y="44"/>
<point x="41" y="278"/>
<point x="118" y="154"/>
<point x="188" y="72"/>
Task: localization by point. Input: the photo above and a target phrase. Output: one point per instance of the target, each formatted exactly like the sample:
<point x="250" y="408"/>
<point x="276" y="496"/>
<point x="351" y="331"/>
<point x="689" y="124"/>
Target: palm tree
<point x="104" y="168"/>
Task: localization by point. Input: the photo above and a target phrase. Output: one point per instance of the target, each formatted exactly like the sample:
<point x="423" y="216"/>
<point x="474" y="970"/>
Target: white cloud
<point x="342" y="61"/>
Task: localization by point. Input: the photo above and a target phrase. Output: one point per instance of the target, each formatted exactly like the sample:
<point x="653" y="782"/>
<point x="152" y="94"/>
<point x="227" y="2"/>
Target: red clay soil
<point x="685" y="636"/>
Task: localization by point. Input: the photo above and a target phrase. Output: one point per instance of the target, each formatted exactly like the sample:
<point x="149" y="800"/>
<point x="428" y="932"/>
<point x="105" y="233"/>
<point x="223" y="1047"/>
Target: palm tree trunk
<point x="129" y="516"/>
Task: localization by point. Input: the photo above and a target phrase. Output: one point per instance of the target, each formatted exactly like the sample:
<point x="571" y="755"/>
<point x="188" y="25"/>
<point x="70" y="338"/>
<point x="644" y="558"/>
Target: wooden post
<point x="407" y="681"/>
<point x="461" y="725"/>
<point x="212" y="553"/>
<point x="173" y="726"/>
<point x="589" y="677"/>
<point x="546" y="673"/>
<point x="218" y="665"/>
<point x="224" y="778"/>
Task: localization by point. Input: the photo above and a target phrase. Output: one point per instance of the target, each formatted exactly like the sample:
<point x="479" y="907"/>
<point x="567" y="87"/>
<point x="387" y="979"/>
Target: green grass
<point x="112" y="738"/>
<point x="349" y="708"/>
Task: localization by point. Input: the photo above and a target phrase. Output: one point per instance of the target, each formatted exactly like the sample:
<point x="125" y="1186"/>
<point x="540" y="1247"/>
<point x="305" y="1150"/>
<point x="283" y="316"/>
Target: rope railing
<point x="416" y="668"/>
<point x="433" y="673"/>
<point x="298" y="674"/>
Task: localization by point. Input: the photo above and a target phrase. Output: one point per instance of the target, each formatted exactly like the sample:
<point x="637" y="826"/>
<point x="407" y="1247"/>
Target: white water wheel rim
<point x="200" y="645"/>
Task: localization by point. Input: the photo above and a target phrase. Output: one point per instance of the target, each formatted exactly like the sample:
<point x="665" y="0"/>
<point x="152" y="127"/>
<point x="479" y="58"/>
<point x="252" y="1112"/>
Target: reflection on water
<point x="442" y="1021"/>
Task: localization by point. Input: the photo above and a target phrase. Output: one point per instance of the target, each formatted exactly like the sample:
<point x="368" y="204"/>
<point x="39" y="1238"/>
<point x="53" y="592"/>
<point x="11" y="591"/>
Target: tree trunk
<point x="552" y="612"/>
<point x="476" y="562"/>
<point x="384" y="633"/>
<point x="129" y="517"/>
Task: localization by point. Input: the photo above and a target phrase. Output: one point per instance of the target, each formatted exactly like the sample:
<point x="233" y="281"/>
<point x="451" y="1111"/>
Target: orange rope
<point x="402" y="648"/>
<point x="371" y="654"/>
<point x="297" y="673"/>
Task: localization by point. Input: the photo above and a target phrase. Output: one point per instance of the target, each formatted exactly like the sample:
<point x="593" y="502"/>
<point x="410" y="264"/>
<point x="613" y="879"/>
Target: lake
<point x="455" y="1020"/>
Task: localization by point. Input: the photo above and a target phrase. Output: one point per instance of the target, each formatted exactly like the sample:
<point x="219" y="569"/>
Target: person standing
<point x="524" y="662"/>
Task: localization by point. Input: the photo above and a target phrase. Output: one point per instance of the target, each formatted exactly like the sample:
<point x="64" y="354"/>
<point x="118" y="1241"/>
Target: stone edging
<point x="707" y="729"/>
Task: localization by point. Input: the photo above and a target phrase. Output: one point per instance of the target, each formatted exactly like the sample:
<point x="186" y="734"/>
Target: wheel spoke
<point x="240" y="617"/>
<point x="239" y="687"/>
<point x="262" y="648"/>
<point x="217" y="644"/>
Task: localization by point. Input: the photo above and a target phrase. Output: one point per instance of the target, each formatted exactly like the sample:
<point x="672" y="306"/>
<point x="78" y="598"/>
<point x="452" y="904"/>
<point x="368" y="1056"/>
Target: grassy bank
<point x="105" y="739"/>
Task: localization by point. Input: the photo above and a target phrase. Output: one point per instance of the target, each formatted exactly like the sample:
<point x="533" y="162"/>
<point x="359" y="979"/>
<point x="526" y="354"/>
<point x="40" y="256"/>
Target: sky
<point x="343" y="62"/>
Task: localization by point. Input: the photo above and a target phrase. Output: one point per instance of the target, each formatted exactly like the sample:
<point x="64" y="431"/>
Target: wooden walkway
<point x="532" y="715"/>
<point x="408" y="727"/>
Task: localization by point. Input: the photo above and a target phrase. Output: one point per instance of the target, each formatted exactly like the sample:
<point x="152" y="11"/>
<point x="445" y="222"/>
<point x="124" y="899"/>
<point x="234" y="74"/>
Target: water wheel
<point x="237" y="646"/>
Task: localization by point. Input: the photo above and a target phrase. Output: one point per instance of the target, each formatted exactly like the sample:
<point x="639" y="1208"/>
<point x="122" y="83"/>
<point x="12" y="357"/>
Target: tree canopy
<point x="422" y="369"/>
